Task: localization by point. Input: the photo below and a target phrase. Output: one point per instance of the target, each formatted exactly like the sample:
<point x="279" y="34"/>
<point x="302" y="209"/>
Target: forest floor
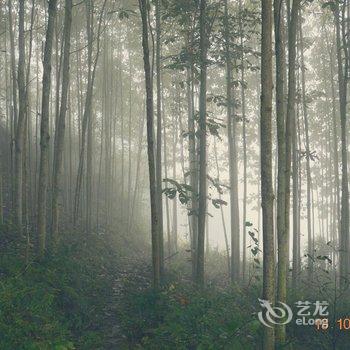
<point x="92" y="295"/>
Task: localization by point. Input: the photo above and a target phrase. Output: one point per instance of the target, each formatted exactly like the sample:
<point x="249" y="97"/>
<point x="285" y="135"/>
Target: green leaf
<point x="218" y="202"/>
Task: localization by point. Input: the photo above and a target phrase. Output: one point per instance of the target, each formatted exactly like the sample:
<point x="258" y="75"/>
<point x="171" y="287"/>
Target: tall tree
<point x="159" y="134"/>
<point x="20" y="127"/>
<point x="44" y="130"/>
<point x="282" y="238"/>
<point x="337" y="215"/>
<point x="143" y="5"/>
<point x="232" y="154"/>
<point x="14" y="107"/>
<point x="342" y="42"/>
<point x="86" y="127"/>
<point x="174" y="160"/>
<point x="296" y="206"/>
<point x="192" y="156"/>
<point x="308" y="155"/>
<point x="244" y="142"/>
<point x="89" y="113"/>
<point x="166" y="176"/>
<point x="202" y="203"/>
<point x="267" y="196"/>
<point x="292" y="35"/>
<point x="61" y="122"/>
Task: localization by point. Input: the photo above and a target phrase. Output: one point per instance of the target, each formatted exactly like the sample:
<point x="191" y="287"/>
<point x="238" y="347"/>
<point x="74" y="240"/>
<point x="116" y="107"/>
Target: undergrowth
<point x="88" y="296"/>
<point x="59" y="303"/>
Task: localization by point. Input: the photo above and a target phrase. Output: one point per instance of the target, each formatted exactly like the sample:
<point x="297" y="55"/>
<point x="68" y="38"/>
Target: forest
<point x="174" y="174"/>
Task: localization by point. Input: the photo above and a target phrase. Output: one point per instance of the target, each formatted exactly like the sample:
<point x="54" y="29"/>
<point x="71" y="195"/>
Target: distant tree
<point x="308" y="156"/>
<point x="232" y="154"/>
<point x="61" y="122"/>
<point x="20" y="126"/>
<point x="44" y="130"/>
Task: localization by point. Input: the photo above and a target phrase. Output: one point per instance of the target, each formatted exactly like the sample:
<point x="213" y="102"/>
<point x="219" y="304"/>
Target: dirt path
<point x="131" y="273"/>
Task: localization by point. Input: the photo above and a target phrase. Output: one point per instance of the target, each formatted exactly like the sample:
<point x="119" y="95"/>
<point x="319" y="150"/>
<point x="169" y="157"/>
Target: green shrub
<point x="181" y="317"/>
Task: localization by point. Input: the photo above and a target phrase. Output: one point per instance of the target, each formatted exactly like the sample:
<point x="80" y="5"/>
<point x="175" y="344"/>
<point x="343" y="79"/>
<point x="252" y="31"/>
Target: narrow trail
<point x="130" y="273"/>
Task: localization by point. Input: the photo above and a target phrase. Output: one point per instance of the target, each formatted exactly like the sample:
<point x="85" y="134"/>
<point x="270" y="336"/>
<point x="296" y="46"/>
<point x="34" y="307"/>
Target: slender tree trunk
<point x="13" y="65"/>
<point x="343" y="71"/>
<point x="244" y="141"/>
<point x="14" y="109"/>
<point x="61" y="124"/>
<point x="159" y="136"/>
<point x="267" y="196"/>
<point x="222" y="211"/>
<point x="90" y="118"/>
<point x="282" y="238"/>
<point x="8" y="99"/>
<point x="103" y="93"/>
<point x="70" y="132"/>
<point x="292" y="35"/>
<point x="129" y="144"/>
<point x="86" y="122"/>
<point x="44" y="131"/>
<point x="28" y="210"/>
<point x="296" y="208"/>
<point x="137" y="175"/>
<point x="231" y="135"/>
<point x="150" y="145"/>
<point x="123" y="145"/>
<point x="335" y="140"/>
<point x="182" y="160"/>
<point x="37" y="112"/>
<point x="166" y="176"/>
<point x="174" y="160"/>
<point x="20" y="127"/>
<point x="203" y="144"/>
<point x="336" y="211"/>
<point x="299" y="181"/>
<point x="258" y="97"/>
<point x="192" y="167"/>
<point x="308" y="168"/>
